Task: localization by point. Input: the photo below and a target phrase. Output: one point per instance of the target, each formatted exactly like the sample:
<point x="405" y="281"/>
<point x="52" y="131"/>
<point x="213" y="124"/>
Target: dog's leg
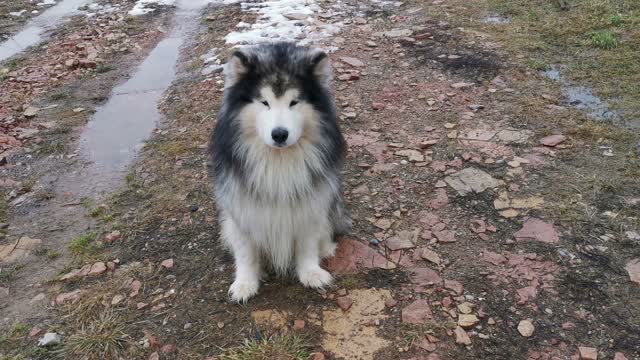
<point x="247" y="261"/>
<point x="327" y="247"/>
<point x="308" y="258"/>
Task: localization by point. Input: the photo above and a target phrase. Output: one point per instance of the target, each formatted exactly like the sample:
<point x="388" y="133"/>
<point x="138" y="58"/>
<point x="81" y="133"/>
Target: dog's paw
<point x="315" y="278"/>
<point x="242" y="290"/>
<point x="328" y="249"/>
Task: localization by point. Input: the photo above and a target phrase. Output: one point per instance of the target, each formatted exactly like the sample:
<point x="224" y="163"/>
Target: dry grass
<point x="284" y="347"/>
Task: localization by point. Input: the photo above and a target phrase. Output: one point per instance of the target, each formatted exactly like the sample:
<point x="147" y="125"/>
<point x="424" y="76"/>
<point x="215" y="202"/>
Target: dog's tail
<point x="340" y="218"/>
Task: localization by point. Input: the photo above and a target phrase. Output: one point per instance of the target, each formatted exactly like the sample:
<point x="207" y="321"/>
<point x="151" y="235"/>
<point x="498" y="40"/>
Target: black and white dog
<point x="276" y="151"/>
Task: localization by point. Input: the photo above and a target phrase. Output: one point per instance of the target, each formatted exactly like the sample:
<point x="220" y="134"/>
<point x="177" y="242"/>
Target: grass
<point x="81" y="244"/>
<point x="48" y="253"/>
<point x="9" y="273"/>
<point x="285" y="347"/>
<point x="104" y="68"/>
<point x="103" y="338"/>
<point x="604" y="39"/>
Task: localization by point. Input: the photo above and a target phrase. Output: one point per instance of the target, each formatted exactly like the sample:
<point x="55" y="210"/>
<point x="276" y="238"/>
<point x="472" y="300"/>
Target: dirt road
<point x="495" y="197"/>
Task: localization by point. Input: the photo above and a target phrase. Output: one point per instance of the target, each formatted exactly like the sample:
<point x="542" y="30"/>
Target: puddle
<point x="33" y="33"/>
<point x="118" y="129"/>
<point x="583" y="98"/>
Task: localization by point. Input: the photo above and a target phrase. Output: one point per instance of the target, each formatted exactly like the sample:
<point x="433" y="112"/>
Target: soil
<point x="548" y="235"/>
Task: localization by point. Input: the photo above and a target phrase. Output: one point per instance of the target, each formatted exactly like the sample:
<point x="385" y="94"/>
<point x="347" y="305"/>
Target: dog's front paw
<point x="241" y="290"/>
<point x="315" y="277"/>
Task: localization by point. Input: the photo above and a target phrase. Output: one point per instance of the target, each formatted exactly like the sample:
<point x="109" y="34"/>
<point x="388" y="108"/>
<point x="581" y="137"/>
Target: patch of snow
<point x="276" y="21"/>
<point x="46" y="3"/>
<point x="212" y="63"/>
<point x="18" y="13"/>
<point x="147" y="6"/>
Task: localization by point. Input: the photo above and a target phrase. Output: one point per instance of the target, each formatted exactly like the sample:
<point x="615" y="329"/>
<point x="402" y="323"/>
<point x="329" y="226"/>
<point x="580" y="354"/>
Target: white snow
<point x="46" y="2"/>
<point x="272" y="23"/>
<point x="18" y="13"/>
<point x="146" y="6"/>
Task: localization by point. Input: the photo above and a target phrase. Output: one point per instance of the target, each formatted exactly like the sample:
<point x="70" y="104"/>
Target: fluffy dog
<point x="276" y="153"/>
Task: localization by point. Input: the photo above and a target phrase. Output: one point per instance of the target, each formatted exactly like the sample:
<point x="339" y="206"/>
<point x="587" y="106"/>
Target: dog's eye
<point x="293" y="103"/>
<point x="265" y="103"/>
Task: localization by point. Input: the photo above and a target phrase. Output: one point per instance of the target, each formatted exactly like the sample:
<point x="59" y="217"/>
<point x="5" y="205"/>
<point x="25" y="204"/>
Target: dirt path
<point x="494" y="218"/>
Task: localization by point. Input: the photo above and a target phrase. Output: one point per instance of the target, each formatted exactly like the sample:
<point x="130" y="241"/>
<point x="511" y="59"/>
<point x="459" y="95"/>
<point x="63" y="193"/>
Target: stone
<point x="35" y="331"/>
<point x="588" y="353"/>
<point x="619" y="356"/>
<point x="69" y="297"/>
<point x="632" y="235"/>
<point x="413" y="155"/>
<point x="453" y="285"/>
<point x="344" y="302"/>
<point x="461" y="85"/>
<point x="167" y="264"/>
<point x="112" y="236"/>
<point x="135" y="288"/>
<point x="633" y="269"/>
<point x="19" y="249"/>
<point x="467" y="320"/>
<point x="396" y="33"/>
<point x="351" y="61"/>
<point x="377" y="106"/>
<point x="49" y="339"/>
<point x="525" y="328"/>
<point x="390" y="303"/>
<point x="97" y="269"/>
<point x="271" y="319"/>
<point x="425" y="277"/>
<point x="298" y="324"/>
<point x="417" y="312"/>
<point x="31" y="111"/>
<point x="461" y="336"/>
<point x="513" y="136"/>
<point x="431" y="256"/>
<point x="349" y="335"/>
<point x="403" y="240"/>
<point x="117" y="299"/>
<point x="470" y="180"/>
<point x="553" y="140"/>
<point x="445" y="236"/>
<point x="535" y="229"/>
<point x="352" y="256"/>
<point x="465" y="308"/>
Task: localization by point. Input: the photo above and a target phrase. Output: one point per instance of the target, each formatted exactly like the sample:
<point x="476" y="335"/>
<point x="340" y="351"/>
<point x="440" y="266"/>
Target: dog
<point x="276" y="151"/>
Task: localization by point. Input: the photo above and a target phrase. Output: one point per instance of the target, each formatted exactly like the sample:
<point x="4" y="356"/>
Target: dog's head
<point x="281" y="90"/>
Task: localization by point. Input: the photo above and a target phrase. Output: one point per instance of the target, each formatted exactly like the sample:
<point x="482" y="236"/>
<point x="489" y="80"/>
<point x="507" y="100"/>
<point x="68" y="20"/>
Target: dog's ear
<point x="321" y="67"/>
<point x="236" y="68"/>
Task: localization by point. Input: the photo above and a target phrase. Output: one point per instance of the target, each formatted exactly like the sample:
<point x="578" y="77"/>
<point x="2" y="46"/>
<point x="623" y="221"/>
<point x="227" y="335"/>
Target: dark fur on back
<point x="282" y="66"/>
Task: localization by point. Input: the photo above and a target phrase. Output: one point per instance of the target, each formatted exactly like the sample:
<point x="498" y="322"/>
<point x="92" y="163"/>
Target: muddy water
<point x="583" y="98"/>
<point x="118" y="129"/>
<point x="33" y="33"/>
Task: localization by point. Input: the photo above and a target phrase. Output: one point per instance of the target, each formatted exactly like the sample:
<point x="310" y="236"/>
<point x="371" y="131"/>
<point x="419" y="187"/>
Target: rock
<point x="470" y="180"/>
<point x="18" y="250"/>
<point x="113" y="236"/>
<point x="537" y="230"/>
<point x="445" y="236"/>
<point x="431" y="256"/>
<point x="619" y="356"/>
<point x="78" y="110"/>
<point x="30" y="111"/>
<point x="344" y="302"/>
<point x="35" y="331"/>
<point x="455" y="286"/>
<point x="461" y="336"/>
<point x="513" y="136"/>
<point x="553" y="140"/>
<point x="425" y="277"/>
<point x="71" y="63"/>
<point x="371" y="43"/>
<point x="318" y="356"/>
<point x="296" y="16"/>
<point x="382" y="224"/>
<point x="377" y="106"/>
<point x="38" y="298"/>
<point x="167" y="349"/>
<point x="396" y="33"/>
<point x="525" y="328"/>
<point x="167" y="264"/>
<point x="352" y="255"/>
<point x="117" y="299"/>
<point x="632" y="235"/>
<point x="351" y="61"/>
<point x="461" y="85"/>
<point x="588" y="353"/>
<point x="467" y="320"/>
<point x="390" y="303"/>
<point x="135" y="288"/>
<point x="417" y="312"/>
<point x="633" y="269"/>
<point x="49" y="339"/>
<point x="154" y="356"/>
<point x="465" y="308"/>
<point x="97" y="269"/>
<point x="69" y="297"/>
<point x="220" y="325"/>
<point x="403" y="240"/>
<point x="413" y="155"/>
<point x="298" y="324"/>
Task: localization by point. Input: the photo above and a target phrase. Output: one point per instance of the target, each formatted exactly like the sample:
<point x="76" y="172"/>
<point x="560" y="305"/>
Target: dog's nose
<point x="279" y="135"/>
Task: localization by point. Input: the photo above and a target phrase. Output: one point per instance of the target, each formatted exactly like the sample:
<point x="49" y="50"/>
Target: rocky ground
<point x="496" y="215"/>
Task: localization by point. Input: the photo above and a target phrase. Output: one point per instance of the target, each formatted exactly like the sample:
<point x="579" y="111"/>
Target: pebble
<point x="461" y="336"/>
<point x="49" y="339"/>
<point x="167" y="264"/>
<point x="525" y="328"/>
<point x="588" y="353"/>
